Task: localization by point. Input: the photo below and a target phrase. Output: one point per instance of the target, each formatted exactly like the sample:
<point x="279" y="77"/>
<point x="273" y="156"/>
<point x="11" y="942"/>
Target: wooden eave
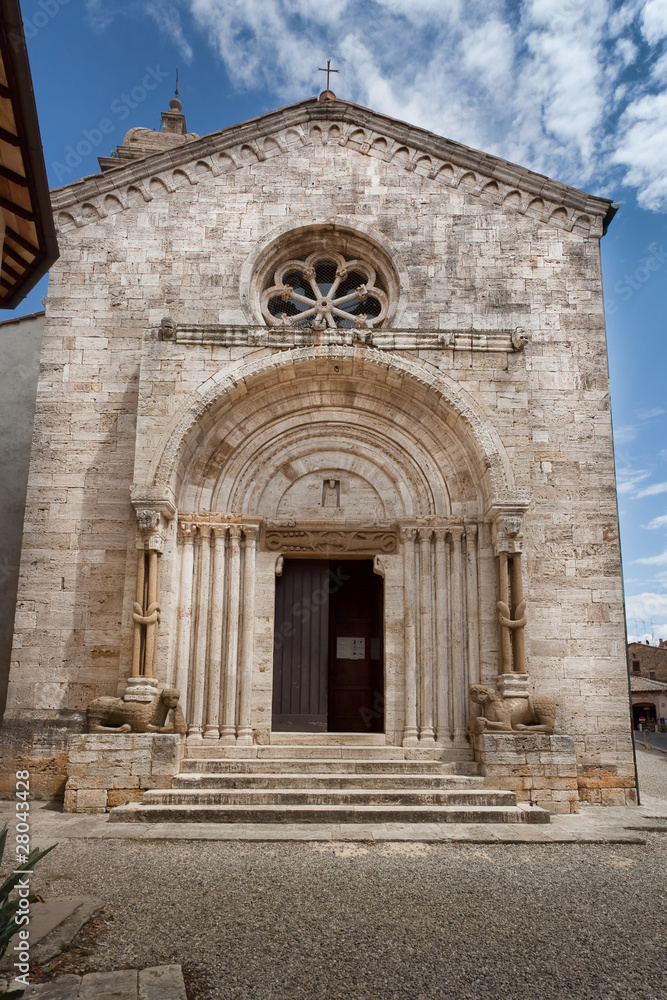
<point x="30" y="244"/>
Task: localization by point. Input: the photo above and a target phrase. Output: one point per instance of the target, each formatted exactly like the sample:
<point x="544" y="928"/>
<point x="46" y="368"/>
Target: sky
<point x="575" y="89"/>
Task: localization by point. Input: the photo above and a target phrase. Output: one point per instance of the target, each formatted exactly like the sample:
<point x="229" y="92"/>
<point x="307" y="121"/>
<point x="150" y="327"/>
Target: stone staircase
<point x="319" y="781"/>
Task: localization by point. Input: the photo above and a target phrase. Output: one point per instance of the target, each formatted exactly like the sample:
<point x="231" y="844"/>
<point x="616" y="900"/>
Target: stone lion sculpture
<point x="508" y="715"/>
<point x="113" y="715"/>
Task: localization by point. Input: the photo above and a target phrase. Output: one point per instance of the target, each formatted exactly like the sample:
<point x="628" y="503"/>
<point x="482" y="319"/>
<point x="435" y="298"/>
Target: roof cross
<point x="328" y="70"/>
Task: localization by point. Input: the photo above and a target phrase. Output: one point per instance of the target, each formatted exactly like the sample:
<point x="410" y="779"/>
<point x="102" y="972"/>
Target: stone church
<point x="322" y="440"/>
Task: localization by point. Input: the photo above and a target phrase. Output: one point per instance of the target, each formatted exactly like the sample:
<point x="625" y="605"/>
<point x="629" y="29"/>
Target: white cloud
<point x="659" y="560"/>
<point x="627" y="479"/>
<point x="647" y="606"/>
<point x="658" y="522"/>
<point x="643" y="149"/>
<point x="654" y="21"/>
<point x="652" y="491"/>
<point x="561" y="86"/>
<point x="168" y="18"/>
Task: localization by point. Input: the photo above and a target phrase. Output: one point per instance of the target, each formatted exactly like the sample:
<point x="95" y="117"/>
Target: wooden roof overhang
<point x="30" y="246"/>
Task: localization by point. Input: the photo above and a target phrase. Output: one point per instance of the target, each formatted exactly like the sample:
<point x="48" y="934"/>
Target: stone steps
<point x="280" y="814"/>
<point x="324" y="765"/>
<point x="287" y="780"/>
<point x="326" y="783"/>
<point x="251" y="797"/>
<point x="328" y="739"/>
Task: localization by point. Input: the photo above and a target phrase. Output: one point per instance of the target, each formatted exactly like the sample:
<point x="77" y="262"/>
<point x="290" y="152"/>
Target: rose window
<point x="325" y="290"/>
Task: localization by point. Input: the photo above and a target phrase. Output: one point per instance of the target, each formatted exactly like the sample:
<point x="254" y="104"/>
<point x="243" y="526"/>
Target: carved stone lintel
<point x="320" y="539"/>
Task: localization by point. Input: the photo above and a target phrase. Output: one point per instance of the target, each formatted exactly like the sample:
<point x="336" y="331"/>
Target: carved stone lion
<point x="113" y="715"/>
<point x="507" y="715"/>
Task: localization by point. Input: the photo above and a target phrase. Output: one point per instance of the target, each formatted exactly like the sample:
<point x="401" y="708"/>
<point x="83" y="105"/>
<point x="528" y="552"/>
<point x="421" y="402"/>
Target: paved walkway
<point x="144" y="856"/>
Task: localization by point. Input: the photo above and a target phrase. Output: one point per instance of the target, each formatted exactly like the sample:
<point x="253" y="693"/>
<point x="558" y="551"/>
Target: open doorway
<point x="328" y="664"/>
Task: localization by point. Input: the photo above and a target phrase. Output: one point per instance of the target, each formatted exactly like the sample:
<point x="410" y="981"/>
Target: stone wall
<point x="108" y="769"/>
<point x="181" y="234"/>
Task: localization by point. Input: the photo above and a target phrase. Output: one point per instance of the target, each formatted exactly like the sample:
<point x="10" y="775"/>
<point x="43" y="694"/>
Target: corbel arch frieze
<point x="447" y="403"/>
<point x="218" y="150"/>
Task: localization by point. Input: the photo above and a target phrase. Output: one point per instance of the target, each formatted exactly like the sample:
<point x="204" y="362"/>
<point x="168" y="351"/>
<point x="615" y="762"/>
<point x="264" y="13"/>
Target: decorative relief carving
<point x="319" y="539"/>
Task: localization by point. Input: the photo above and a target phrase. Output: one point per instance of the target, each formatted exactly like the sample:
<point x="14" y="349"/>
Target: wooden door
<point x="300" y="646"/>
<point x="356" y="675"/>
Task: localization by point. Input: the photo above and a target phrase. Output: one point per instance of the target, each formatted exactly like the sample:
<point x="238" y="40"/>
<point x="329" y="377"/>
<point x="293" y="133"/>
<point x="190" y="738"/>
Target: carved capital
<point x="220" y="531"/>
<point x="153" y="516"/>
<point x="250" y="533"/>
<point x="507" y="533"/>
<point x="188" y="531"/>
<point x="407" y="534"/>
<point x="205" y="530"/>
<point x="235" y="531"/>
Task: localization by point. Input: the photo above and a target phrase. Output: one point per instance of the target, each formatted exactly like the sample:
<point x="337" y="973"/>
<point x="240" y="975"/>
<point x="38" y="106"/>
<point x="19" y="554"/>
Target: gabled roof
<point x="328" y="119"/>
<point x="638" y="683"/>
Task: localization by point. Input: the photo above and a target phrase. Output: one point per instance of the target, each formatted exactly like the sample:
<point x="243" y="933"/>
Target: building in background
<point x="649" y="702"/>
<point x="648" y="661"/>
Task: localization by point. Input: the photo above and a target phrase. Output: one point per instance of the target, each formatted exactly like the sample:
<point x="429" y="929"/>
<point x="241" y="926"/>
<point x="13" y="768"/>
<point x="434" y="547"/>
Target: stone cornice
<point x="445" y="162"/>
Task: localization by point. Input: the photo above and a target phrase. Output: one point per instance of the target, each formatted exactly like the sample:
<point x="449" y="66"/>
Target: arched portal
<point x="328" y="455"/>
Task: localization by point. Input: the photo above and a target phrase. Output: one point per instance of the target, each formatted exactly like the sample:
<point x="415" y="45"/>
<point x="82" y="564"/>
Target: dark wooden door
<point x="300" y="646"/>
<point x="356" y="675"/>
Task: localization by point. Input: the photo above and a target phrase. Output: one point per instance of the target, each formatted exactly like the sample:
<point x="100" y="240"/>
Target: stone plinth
<point x="539" y="769"/>
<point x="109" y="769"/>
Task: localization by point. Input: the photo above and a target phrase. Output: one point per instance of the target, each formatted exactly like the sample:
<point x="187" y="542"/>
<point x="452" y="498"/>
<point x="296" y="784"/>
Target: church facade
<point x="323" y="439"/>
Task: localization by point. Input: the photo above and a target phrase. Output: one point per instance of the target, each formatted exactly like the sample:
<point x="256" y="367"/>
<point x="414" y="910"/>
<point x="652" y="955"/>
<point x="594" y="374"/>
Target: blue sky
<point x="576" y="89"/>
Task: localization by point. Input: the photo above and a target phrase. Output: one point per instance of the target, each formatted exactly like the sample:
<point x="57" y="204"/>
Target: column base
<point x="212" y="733"/>
<point x="141" y="689"/>
<point x="513" y="685"/>
<point x="244" y="737"/>
<point x="228" y="736"/>
<point x="195" y="734"/>
<point x="427" y="736"/>
<point x="410" y="736"/>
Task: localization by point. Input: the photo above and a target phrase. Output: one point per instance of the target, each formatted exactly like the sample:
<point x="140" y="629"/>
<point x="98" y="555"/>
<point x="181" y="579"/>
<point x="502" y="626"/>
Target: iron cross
<point x="328" y="70"/>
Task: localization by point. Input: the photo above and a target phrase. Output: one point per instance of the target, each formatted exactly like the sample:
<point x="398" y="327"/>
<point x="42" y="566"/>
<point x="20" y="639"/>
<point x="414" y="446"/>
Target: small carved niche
<point x="331" y="493"/>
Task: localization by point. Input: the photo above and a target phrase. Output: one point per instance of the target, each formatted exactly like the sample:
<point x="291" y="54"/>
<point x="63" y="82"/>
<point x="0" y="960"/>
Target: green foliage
<point x="8" y="907"/>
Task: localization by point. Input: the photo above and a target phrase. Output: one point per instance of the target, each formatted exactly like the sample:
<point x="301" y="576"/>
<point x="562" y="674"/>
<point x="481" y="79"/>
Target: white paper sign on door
<point x="350" y="648"/>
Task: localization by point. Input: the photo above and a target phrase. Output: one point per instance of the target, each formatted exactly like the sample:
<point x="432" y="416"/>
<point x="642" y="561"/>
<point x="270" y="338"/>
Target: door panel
<point x="356" y="676"/>
<point x="300" y="647"/>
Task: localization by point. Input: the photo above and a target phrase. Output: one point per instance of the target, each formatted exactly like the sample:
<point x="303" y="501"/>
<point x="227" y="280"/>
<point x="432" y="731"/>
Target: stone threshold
<point x="593" y="825"/>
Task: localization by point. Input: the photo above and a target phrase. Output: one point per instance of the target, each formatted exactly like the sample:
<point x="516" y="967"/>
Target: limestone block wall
<point x="110" y="769"/>
<point x="184" y="241"/>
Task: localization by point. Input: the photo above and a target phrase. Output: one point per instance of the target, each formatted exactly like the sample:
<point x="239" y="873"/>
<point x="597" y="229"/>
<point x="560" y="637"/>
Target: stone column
<point x="518" y="609"/>
<point x="508" y="543"/>
<point x="458" y="647"/>
<point x="201" y="638"/>
<point x="442" y="676"/>
<point x="244" y="734"/>
<point x="410" y="732"/>
<point x="137" y="614"/>
<point x="228" y="728"/>
<point x="212" y="731"/>
<point x="472" y="604"/>
<point x="152" y="523"/>
<point x="426" y="730"/>
<point x="504" y="612"/>
<point x="188" y="532"/>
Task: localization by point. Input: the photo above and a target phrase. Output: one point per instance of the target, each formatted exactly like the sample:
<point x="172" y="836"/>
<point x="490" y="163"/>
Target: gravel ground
<point x="380" y="921"/>
<point x="652" y="770"/>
